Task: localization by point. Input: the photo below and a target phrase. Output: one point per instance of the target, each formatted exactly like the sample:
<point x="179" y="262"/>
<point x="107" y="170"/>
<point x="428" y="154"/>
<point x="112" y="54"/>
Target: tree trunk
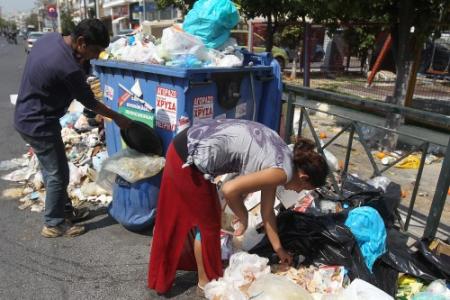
<point x="402" y="47"/>
<point x="270" y="31"/>
<point x="294" y="68"/>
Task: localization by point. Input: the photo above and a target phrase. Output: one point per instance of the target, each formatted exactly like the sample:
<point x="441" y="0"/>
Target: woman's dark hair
<point x="94" y="32"/>
<point x="310" y="162"/>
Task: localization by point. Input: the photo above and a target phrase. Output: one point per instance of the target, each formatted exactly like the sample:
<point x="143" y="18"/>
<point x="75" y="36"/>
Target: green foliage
<point x="32" y="19"/>
<point x="360" y="39"/>
<point x="185" y="6"/>
<point x="289" y="36"/>
<point x="67" y="24"/>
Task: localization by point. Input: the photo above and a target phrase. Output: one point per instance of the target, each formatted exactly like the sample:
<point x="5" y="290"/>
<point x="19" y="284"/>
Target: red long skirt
<point x="186" y="200"/>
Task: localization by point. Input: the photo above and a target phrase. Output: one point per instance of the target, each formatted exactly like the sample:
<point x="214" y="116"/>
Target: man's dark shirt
<point x="51" y="79"/>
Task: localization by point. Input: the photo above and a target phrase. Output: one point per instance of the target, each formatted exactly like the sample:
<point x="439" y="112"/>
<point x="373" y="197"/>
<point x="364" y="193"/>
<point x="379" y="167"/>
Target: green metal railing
<point x="299" y="97"/>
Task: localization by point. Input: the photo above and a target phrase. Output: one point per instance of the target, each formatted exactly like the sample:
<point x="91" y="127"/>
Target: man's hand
<point x="284" y="256"/>
<point x="122" y="121"/>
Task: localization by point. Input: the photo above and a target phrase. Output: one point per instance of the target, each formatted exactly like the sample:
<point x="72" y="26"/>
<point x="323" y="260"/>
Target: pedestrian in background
<point x="52" y="78"/>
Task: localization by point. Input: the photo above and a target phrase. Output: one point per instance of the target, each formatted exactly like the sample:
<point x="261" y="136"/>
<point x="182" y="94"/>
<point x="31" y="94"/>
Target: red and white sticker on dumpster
<point x="203" y="107"/>
<point x="166" y="108"/>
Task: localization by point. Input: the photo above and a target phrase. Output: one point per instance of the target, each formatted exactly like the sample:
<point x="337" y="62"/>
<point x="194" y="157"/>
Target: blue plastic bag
<point x="211" y="21"/>
<point x="134" y="204"/>
<point x="368" y="228"/>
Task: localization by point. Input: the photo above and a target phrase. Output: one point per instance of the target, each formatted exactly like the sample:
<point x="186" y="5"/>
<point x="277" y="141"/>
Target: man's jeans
<point x="52" y="158"/>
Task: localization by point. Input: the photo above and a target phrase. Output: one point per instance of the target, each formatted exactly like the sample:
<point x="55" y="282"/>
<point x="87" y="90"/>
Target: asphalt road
<point x="108" y="262"/>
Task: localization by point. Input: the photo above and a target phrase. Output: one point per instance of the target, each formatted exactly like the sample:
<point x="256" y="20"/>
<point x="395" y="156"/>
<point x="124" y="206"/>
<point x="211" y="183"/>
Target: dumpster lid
<point x="172" y="71"/>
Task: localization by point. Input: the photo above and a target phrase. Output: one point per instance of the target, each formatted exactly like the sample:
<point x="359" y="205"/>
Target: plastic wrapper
<point x="93" y="189"/>
<point x="380" y="182"/>
<point x="244" y="268"/>
<point x="13" y="164"/>
<point x="38" y="181"/>
<point x="212" y="21"/>
<point x="222" y="290"/>
<point x="358" y="290"/>
<point x="69" y="119"/>
<point x="226" y="245"/>
<point x="437" y="290"/>
<point x="241" y="272"/>
<point x="408" y="286"/>
<point x="177" y="42"/>
<point x="270" y="286"/>
<point x="77" y="173"/>
<point x="410" y="162"/>
<point x="130" y="165"/>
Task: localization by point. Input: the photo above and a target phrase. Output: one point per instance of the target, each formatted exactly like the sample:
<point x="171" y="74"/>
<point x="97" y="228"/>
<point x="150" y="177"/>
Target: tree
<point x="32" y="19"/>
<point x="274" y="11"/>
<point x="184" y="6"/>
<point x="410" y="23"/>
<point x="67" y="24"/>
<point x="360" y="40"/>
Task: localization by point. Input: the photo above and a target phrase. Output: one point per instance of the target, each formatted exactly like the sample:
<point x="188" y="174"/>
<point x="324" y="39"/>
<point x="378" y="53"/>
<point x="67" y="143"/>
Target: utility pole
<point x="58" y="15"/>
<point x="143" y="10"/>
<point x="85" y="10"/>
<point x="97" y="9"/>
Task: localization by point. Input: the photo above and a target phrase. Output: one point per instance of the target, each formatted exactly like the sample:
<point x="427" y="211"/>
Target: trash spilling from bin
<point x="85" y="152"/>
<point x="203" y="40"/>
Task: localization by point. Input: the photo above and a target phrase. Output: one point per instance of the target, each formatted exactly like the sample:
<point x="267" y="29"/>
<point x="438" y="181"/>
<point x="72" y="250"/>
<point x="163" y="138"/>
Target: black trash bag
<point x="386" y="277"/>
<point x="414" y="263"/>
<point x="320" y="239"/>
<point x="359" y="193"/>
<point x="440" y="262"/>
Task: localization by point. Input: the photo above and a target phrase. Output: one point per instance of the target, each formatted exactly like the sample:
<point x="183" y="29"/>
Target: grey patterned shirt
<point x="223" y="146"/>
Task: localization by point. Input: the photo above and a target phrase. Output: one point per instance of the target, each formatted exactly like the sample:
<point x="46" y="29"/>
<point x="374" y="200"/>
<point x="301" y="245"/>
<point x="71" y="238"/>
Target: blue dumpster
<point x="167" y="98"/>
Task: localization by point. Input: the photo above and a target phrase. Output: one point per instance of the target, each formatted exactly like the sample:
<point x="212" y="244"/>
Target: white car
<point x="32" y="37"/>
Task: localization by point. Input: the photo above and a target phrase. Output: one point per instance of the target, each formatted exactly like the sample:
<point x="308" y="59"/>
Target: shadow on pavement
<point x="183" y="282"/>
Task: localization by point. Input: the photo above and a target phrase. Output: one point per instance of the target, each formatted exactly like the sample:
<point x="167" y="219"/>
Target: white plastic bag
<point x="244" y="268"/>
<point x="13" y="164"/>
<point x="332" y="160"/>
<point x="359" y="289"/>
<point x="77" y="173"/>
<point x="177" y="42"/>
<point x="222" y="290"/>
<point x="271" y="286"/>
<point x="93" y="189"/>
<point x="130" y="165"/>
<point x="380" y="182"/>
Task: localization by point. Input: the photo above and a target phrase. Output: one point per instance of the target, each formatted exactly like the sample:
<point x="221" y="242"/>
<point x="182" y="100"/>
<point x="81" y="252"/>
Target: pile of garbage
<point x="203" y="40"/>
<point x="345" y="245"/>
<point x="249" y="276"/>
<point x="85" y="151"/>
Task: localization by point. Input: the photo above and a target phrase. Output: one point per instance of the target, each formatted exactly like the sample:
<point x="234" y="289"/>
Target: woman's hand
<point x="284" y="256"/>
<point x="240" y="226"/>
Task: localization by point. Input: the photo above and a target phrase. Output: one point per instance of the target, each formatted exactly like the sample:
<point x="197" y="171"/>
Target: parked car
<point x="278" y="53"/>
<point x="32" y="37"/>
